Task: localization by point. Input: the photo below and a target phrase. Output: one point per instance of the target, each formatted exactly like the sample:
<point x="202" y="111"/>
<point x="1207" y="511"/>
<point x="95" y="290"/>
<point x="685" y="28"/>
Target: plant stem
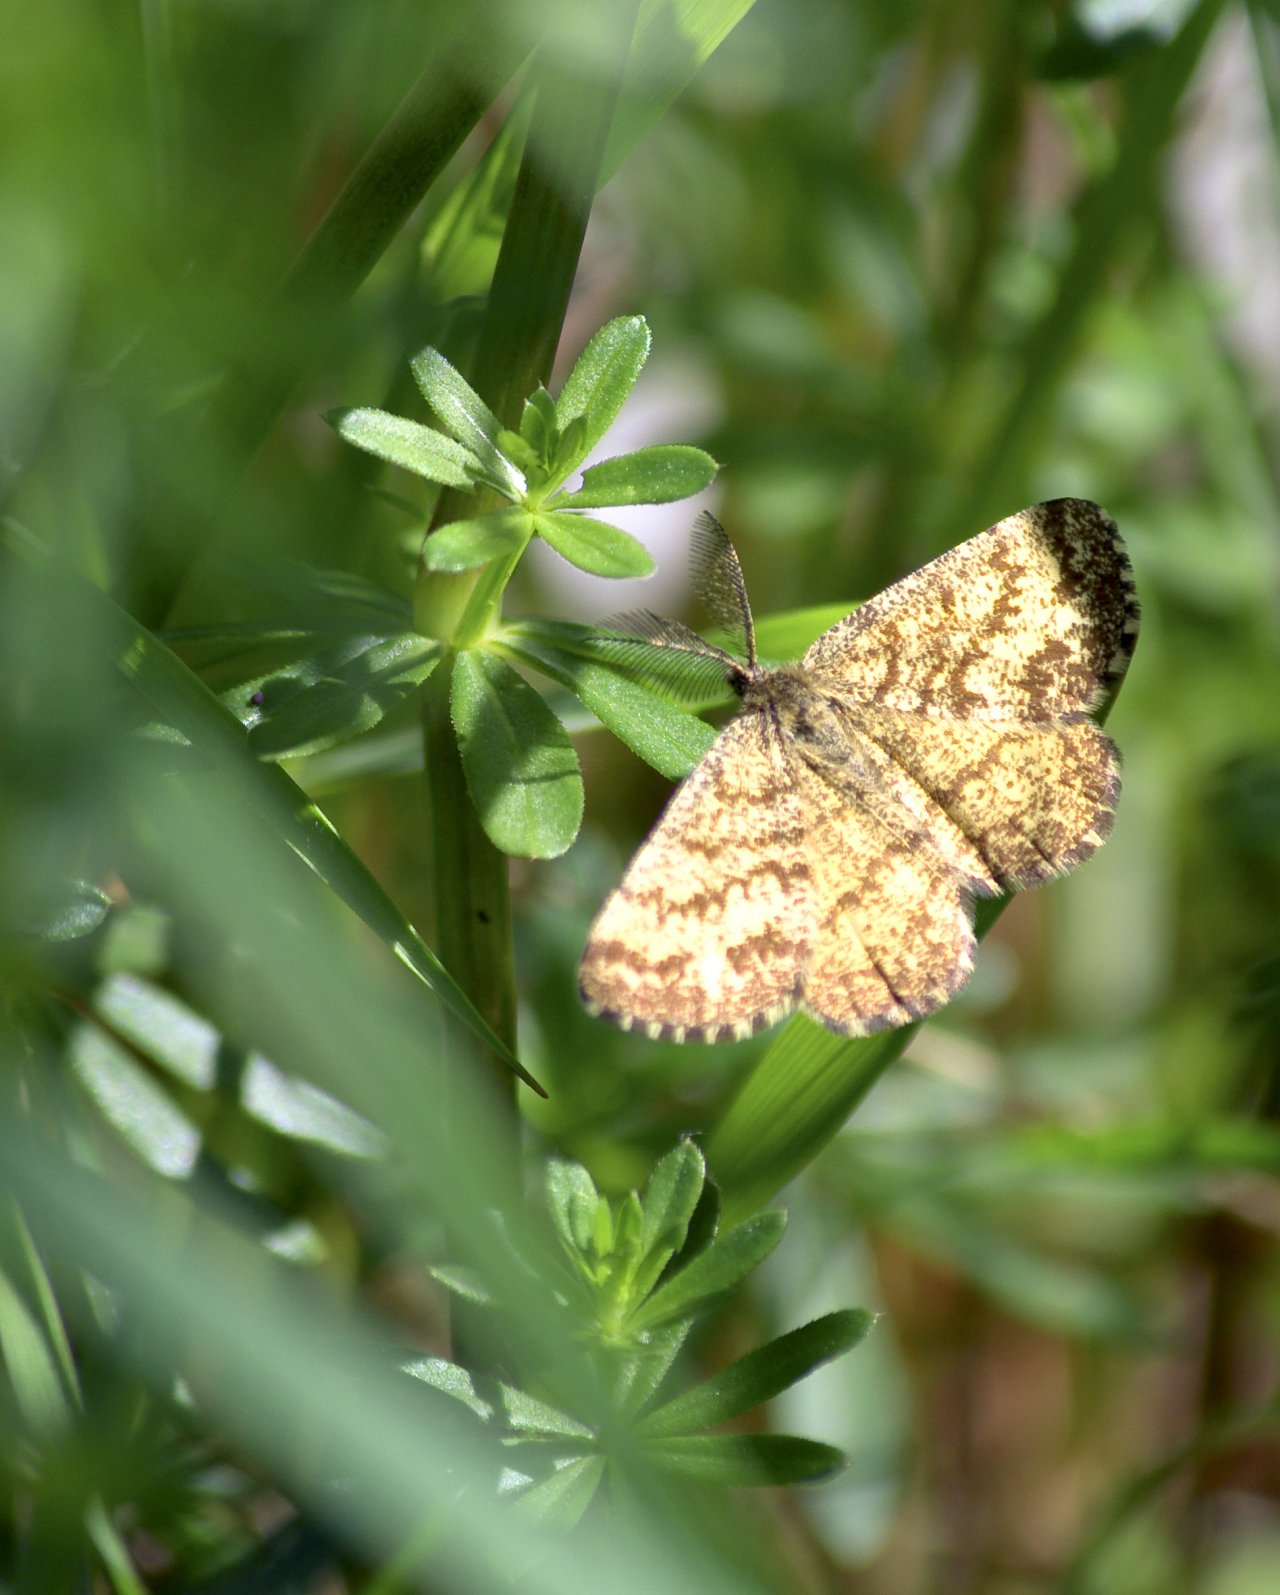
<point x="554" y="190"/>
<point x="469" y="903"/>
<point x="527" y="302"/>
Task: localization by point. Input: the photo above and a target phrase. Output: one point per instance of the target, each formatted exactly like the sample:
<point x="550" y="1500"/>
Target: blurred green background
<point x="907" y="269"/>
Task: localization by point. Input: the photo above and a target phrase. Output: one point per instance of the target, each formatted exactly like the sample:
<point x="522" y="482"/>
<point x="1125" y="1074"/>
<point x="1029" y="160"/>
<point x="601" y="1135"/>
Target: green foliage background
<point x="913" y="267"/>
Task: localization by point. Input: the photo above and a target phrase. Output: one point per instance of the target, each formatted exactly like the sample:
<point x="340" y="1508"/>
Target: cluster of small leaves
<point x="300" y="691"/>
<point x="634" y="1277"/>
<point x="528" y="469"/>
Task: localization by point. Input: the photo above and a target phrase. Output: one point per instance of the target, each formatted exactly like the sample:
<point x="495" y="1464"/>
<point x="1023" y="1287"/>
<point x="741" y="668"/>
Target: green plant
<point x="632" y="1279"/>
<point x="261" y="963"/>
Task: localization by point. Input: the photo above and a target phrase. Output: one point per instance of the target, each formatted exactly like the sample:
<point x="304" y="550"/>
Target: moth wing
<point x="1031" y="801"/>
<point x="893" y="923"/>
<point x="1033" y="619"/>
<point x="706" y="936"/>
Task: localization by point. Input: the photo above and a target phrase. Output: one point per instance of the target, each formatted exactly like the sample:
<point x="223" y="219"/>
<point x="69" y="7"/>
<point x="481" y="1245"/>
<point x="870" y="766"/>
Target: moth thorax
<point x="805" y="717"/>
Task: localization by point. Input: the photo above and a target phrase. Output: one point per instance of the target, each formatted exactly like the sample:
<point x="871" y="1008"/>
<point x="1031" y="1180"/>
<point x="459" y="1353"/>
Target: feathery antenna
<point x="719" y="583"/>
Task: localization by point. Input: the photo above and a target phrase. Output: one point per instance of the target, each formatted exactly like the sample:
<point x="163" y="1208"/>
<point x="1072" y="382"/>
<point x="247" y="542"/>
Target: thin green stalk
<point x="555" y="187"/>
<point x="987" y="176"/>
<point x="469" y="905"/>
<point x="527" y="302"/>
<point x="485" y="600"/>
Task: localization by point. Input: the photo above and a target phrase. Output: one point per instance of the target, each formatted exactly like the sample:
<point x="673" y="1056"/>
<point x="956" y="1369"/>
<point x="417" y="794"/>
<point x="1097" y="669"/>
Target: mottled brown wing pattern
<point x="894" y="926"/>
<point x="933" y="746"/>
<point x="706" y="936"/>
<point x="1033" y="619"/>
<point x="1031" y="800"/>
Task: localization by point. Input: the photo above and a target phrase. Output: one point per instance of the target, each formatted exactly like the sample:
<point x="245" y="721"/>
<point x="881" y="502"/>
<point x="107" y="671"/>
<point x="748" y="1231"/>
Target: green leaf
<point x="329" y="599"/>
<point x="464" y="1283"/>
<point x="134" y="1103"/>
<point x="714" y="1272"/>
<point x="335" y="696"/>
<point x="601" y="380"/>
<point x="538" y="422"/>
<point x="571" y="1201"/>
<point x="32" y="1368"/>
<point x="451" y="1380"/>
<point x="657" y="475"/>
<point x="664" y="736"/>
<point x="465" y="414"/>
<point x="704" y="1225"/>
<point x="73" y="908"/>
<point x="668" y="50"/>
<point x="787" y="635"/>
<point x="521" y="769"/>
<point x="335" y="610"/>
<point x="649" y="1362"/>
<point x="793" y="1102"/>
<point x="465" y="545"/>
<point x="593" y="545"/>
<point x="571" y="449"/>
<point x="628" y="1241"/>
<point x="747" y="1459"/>
<point x="407" y="443"/>
<point x="670" y="1198"/>
<point x="522" y="455"/>
<point x="561" y="1499"/>
<point x="526" y="1415"/>
<point x="760" y="1375"/>
<point x="602" y="1239"/>
<point x="143" y="1021"/>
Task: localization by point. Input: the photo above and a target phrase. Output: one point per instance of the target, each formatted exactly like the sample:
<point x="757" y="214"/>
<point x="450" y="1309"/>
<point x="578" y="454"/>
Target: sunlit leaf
<point x="602" y="379"/>
<point x="747" y="1459"/>
<point x="729" y="1258"/>
<point x="658" y="732"/>
<point x="657" y="475"/>
<point x="406" y="443"/>
<point x="593" y="545"/>
<point x="465" y="545"/>
<point x="758" y="1376"/>
<point x="461" y="409"/>
<point x="561" y="1499"/>
<point x="521" y="769"/>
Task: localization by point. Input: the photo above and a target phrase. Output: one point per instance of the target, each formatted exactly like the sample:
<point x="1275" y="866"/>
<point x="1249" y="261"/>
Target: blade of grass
<point x="185" y="703"/>
<point x="467" y="64"/>
<point x="795" y="1101"/>
<point x="1103" y="221"/>
<point x="477" y="56"/>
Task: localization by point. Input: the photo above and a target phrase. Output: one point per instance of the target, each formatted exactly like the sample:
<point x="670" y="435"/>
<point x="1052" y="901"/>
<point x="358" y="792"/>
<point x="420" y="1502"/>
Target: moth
<point x="934" y="747"/>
